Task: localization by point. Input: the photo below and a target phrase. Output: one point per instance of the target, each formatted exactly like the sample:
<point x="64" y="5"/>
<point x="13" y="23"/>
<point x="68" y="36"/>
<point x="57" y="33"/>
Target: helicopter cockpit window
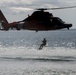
<point x="60" y="20"/>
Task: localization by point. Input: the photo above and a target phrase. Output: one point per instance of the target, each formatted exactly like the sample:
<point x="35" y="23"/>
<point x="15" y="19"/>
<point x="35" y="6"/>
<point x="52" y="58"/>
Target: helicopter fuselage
<point x="38" y="21"/>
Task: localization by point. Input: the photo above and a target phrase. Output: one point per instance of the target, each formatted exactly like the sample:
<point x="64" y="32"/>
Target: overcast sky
<point x="16" y="10"/>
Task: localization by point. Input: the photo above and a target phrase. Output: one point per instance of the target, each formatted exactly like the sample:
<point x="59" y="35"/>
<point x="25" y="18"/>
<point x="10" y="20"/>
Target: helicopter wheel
<point x="68" y="28"/>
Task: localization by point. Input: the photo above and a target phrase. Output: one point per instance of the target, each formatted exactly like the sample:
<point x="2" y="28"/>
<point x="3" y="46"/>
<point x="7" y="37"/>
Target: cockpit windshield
<point x="60" y="20"/>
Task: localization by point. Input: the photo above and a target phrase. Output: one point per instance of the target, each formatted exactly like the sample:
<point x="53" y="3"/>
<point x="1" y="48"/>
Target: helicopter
<point x="39" y="20"/>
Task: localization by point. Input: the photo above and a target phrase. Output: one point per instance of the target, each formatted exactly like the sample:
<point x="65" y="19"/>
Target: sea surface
<point x="19" y="53"/>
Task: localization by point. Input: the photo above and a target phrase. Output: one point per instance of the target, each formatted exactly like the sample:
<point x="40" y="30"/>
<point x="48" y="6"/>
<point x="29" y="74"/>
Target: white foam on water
<point x="47" y="51"/>
<point x="19" y="54"/>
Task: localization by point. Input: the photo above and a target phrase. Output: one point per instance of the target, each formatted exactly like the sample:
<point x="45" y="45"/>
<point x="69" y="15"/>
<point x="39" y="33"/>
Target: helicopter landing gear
<point x="68" y="28"/>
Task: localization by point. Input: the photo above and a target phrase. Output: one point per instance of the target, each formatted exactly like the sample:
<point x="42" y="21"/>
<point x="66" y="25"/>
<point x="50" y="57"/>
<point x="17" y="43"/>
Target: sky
<point x="16" y="10"/>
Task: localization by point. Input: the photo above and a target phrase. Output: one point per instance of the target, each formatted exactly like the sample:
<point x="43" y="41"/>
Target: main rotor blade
<point x="61" y="8"/>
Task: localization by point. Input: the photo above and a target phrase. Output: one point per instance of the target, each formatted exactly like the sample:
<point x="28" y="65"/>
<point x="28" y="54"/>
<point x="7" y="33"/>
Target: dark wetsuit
<point x="43" y="44"/>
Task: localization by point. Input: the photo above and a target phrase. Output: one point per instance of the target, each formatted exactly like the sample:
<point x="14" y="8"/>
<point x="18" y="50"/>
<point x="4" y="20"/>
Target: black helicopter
<point x="39" y="20"/>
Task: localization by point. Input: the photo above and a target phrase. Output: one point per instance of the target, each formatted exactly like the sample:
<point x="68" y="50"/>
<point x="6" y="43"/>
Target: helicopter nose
<point x="70" y="25"/>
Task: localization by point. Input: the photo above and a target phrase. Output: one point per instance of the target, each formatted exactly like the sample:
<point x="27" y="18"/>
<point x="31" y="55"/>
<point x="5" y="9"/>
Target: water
<point x="19" y="54"/>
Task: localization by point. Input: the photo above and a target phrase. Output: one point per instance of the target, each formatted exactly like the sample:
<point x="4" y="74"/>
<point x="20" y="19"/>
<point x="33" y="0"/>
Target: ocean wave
<point x="44" y="59"/>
